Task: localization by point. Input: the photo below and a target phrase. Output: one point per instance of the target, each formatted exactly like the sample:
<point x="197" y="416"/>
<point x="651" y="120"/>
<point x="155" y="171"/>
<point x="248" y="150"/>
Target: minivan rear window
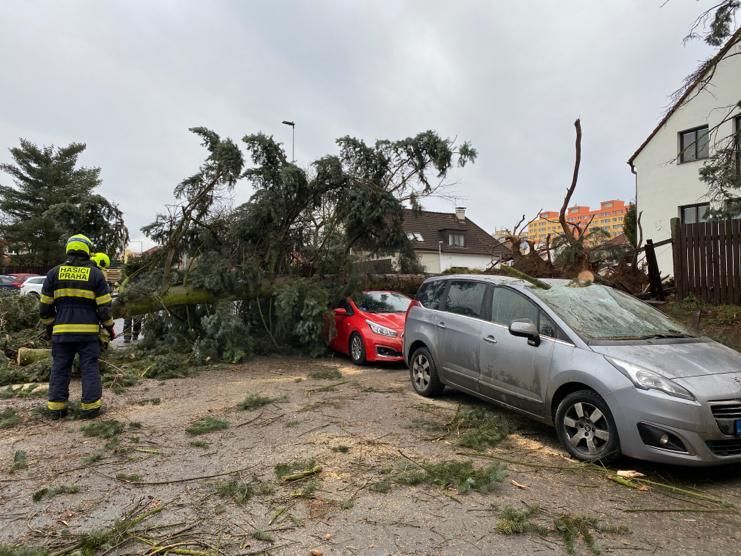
<point x="430" y="294"/>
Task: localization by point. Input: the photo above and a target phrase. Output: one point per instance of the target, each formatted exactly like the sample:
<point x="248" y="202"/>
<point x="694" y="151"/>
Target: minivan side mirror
<point x="525" y="328"/>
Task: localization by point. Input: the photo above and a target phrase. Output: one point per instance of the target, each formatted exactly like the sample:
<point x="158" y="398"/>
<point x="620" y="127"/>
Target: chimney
<point x="460" y="214"/>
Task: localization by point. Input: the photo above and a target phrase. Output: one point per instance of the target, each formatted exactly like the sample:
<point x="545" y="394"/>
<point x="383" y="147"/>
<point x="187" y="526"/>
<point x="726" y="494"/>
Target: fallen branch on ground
<point x="302" y="474"/>
<point x="173" y="481"/>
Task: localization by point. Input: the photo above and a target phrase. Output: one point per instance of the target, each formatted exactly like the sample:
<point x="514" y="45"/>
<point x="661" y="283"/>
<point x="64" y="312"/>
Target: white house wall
<point x="431" y="261"/>
<point x="662" y="183"/>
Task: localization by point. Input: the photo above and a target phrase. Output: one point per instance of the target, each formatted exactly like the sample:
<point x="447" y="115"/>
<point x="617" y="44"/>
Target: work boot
<point x="56" y="414"/>
<point x="89" y="413"/>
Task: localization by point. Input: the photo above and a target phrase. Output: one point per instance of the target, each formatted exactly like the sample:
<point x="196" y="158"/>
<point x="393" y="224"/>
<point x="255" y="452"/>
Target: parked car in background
<point x="18" y="279"/>
<point x="32" y="286"/>
<point x="370" y="326"/>
<point x="7" y="282"/>
<point x="612" y="374"/>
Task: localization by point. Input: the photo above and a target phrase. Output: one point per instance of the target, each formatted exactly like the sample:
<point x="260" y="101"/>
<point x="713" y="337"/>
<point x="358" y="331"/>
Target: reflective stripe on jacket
<point x="75" y="299"/>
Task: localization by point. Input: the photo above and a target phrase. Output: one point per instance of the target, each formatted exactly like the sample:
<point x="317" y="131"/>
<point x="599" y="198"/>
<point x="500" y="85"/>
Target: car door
<point x="461" y="321"/>
<point x="514" y="372"/>
<point x="343" y="327"/>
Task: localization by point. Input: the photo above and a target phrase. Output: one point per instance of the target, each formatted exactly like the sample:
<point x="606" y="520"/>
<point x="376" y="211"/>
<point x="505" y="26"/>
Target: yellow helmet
<point x="101" y="260"/>
<point x="79" y="243"/>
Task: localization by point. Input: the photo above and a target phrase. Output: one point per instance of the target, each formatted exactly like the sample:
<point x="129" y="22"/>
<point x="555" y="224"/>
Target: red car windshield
<point x="382" y="302"/>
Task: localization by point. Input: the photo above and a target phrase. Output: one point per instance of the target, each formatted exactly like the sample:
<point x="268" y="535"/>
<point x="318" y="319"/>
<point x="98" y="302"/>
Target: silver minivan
<point x="611" y="373"/>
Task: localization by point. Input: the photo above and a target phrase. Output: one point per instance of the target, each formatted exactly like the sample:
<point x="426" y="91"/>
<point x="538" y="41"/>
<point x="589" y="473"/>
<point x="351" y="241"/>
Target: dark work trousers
<point x="63" y="353"/>
<point x="132" y="324"/>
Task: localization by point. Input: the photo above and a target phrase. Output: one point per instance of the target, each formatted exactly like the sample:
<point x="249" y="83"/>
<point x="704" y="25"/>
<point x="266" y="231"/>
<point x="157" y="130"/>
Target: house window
<point x="455" y="239"/>
<point x="691" y="214"/>
<point x="414" y="236"/>
<point x="694" y="144"/>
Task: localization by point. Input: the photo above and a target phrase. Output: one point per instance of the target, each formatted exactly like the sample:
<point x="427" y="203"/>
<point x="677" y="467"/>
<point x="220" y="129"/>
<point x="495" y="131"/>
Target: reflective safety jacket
<point x="76" y="300"/>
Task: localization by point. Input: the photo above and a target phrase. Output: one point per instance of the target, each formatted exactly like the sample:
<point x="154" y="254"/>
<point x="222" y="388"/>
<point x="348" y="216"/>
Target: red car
<point x="370" y="327"/>
<point x="14" y="281"/>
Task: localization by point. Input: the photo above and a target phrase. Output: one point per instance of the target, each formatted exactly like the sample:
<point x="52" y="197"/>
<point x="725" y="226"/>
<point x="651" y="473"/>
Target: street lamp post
<point x="440" y="254"/>
<point x="293" y="139"/>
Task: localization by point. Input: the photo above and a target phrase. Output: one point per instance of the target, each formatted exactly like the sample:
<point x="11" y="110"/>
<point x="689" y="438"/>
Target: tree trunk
<point x="26" y="356"/>
<point x="174" y="296"/>
<point x="183" y="295"/>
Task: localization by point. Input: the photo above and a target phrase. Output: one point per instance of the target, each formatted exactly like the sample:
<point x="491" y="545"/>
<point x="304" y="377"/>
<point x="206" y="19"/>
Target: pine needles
<point x="20" y="461"/>
<point x="103" y="429"/>
<point x="9" y="418"/>
<point x="326" y="374"/>
<point x="51" y="492"/>
<point x="518" y="522"/>
<point x="569" y="527"/>
<point x="242" y="491"/>
<point x="205" y="425"/>
<point x="254" y="401"/>
<point x="478" y="428"/>
<point x="461" y="475"/>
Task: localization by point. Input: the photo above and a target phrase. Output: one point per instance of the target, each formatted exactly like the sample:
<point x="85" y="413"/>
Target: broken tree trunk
<point x="27" y="356"/>
<point x="567" y="230"/>
<point x="513" y="272"/>
<point x="183" y="295"/>
<point x="174" y="296"/>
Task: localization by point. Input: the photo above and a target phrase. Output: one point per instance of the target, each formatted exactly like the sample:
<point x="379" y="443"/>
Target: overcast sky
<point x="130" y="77"/>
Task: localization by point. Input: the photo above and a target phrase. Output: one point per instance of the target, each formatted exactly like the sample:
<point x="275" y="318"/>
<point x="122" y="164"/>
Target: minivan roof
<point x="497" y="279"/>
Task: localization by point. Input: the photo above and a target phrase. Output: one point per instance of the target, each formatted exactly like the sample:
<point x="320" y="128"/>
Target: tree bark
<point x="27" y="356"/>
<point x="184" y="295"/>
<point x="174" y="296"/>
<point x="570" y="191"/>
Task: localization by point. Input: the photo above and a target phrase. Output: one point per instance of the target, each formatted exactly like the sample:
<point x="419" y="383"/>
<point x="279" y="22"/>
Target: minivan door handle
<point x="491" y="339"/>
<point x="441" y="325"/>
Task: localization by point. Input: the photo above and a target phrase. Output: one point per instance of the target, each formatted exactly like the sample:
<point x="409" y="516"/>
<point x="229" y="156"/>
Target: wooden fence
<point x="707" y="260"/>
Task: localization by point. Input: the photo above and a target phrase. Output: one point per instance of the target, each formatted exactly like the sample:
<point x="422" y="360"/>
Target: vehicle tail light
<point x="414" y="303"/>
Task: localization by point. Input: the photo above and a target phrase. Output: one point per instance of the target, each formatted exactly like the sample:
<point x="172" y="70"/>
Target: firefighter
<point x="132" y="329"/>
<point x="75" y="301"/>
<point x="101" y="260"/>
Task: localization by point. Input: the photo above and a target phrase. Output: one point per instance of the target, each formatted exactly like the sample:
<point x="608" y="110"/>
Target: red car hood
<point x="394" y="321"/>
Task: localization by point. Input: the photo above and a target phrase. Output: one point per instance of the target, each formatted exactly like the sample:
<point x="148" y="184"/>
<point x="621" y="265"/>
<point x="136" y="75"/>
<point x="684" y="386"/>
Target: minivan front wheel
<point x="423" y="373"/>
<point x="585" y="427"/>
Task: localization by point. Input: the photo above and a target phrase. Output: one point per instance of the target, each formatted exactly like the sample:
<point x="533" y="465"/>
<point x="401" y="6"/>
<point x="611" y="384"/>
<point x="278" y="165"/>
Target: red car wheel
<point x="357" y="349"/>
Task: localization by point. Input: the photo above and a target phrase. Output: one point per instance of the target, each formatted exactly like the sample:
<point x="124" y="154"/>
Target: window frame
<point x="462" y="235"/>
<point x="483" y="313"/>
<point x="443" y="294"/>
<point x="345" y="303"/>
<point x="681" y="209"/>
<point x="560" y="336"/>
<point x="696" y="144"/>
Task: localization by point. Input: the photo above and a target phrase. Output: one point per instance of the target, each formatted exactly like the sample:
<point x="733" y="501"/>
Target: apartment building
<point x="609" y="217"/>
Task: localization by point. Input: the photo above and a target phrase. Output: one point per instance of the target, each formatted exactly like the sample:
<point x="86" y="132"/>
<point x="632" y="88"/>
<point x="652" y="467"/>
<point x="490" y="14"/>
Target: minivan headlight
<point x="649" y="380"/>
<point x="382" y="330"/>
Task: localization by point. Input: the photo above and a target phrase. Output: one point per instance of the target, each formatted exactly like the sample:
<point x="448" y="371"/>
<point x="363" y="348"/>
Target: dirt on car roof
<point x="298" y="456"/>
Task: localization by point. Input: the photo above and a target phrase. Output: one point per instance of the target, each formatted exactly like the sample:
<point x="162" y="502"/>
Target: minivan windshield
<point x="382" y="302"/>
<point x="601" y="313"/>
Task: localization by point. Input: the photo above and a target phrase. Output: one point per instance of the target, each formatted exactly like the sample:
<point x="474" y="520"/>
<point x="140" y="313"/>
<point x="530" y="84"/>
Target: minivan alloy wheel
<point x="423" y="374"/>
<point x="586" y="428"/>
<point x="421" y="371"/>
